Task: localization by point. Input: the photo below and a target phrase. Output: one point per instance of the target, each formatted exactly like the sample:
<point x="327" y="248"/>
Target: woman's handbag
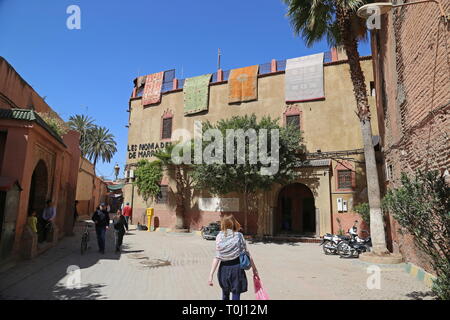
<point x="244" y="258"/>
<point x="244" y="261"/>
<point x="260" y="293"/>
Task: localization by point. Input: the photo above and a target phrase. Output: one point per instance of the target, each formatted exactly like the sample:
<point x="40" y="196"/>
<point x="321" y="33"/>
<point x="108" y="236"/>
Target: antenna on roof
<point x="219" y="54"/>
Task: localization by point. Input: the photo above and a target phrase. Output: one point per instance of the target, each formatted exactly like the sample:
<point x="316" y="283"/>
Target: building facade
<point x="328" y="188"/>
<point x="412" y="74"/>
<point x="91" y="190"/>
<point x="36" y="164"/>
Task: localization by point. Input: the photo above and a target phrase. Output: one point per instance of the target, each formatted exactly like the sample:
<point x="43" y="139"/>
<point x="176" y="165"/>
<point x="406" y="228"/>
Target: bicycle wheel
<point x="83" y="245"/>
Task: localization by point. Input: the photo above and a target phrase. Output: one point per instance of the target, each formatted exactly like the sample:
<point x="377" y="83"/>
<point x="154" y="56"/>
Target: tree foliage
<point x="422" y="207"/>
<point x="56" y="124"/>
<point x="363" y="210"/>
<point x="84" y="125"/>
<point x="147" y="178"/>
<point x="221" y="178"/>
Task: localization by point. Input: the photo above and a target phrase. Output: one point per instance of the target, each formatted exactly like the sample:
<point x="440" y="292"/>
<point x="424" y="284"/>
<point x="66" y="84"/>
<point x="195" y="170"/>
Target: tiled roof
<point x="28" y="115"/>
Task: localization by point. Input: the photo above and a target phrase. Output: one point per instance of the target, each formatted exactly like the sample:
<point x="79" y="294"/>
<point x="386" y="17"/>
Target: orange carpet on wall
<point x="243" y="84"/>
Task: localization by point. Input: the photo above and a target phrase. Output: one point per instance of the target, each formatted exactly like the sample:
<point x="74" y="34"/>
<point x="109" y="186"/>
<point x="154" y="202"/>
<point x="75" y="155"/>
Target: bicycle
<point x="85" y="239"/>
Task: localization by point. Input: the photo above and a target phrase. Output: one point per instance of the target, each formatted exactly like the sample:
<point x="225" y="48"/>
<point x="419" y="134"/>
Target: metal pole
<point x="132" y="199"/>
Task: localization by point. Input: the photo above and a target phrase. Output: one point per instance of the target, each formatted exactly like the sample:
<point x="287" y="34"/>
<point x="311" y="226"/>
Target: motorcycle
<point x="355" y="246"/>
<point x="330" y="242"/>
<point x="211" y="231"/>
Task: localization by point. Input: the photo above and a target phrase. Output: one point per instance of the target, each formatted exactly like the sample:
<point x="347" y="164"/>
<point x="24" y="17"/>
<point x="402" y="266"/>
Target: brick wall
<point x="411" y="64"/>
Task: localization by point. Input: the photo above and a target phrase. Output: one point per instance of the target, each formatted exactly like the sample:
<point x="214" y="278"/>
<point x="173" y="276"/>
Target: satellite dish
<point x="377" y="8"/>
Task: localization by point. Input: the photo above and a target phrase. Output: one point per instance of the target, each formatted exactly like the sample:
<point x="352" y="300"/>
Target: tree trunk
<point x="179" y="195"/>
<point x="359" y="88"/>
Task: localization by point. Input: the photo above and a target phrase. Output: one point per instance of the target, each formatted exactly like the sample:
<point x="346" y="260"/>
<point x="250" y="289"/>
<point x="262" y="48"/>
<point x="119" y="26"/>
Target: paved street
<point x="157" y="265"/>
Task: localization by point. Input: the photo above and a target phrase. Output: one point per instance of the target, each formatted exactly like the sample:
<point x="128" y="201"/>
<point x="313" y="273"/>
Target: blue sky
<point x="94" y="67"/>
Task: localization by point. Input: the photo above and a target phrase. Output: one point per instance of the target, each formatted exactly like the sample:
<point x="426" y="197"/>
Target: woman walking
<point x="230" y="243"/>
<point x="120" y="227"/>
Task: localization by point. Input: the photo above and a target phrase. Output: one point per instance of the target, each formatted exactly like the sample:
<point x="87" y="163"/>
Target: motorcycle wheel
<point x="326" y="250"/>
<point x="344" y="250"/>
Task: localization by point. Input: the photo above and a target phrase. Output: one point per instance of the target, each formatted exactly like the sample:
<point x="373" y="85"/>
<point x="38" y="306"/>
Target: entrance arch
<point x="296" y="212"/>
<point x="38" y="187"/>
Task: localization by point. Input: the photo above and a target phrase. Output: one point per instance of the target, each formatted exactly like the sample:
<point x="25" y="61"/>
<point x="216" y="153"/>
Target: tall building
<point x="37" y="164"/>
<point x="412" y="73"/>
<point x="323" y="198"/>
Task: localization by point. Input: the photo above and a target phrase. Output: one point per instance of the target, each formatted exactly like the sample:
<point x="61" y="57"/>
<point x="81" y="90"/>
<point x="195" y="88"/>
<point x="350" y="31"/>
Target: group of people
<point x="230" y="244"/>
<point x="41" y="225"/>
<point x="101" y="219"/>
<point x="120" y="221"/>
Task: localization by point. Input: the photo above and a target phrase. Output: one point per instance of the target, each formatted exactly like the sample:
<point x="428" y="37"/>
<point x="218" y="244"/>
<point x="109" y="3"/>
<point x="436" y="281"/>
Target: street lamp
<point x="384" y="7"/>
<point x="116" y="170"/>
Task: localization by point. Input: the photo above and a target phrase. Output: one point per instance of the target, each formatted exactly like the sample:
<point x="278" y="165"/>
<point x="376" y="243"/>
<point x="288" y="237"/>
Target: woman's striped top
<point x="230" y="246"/>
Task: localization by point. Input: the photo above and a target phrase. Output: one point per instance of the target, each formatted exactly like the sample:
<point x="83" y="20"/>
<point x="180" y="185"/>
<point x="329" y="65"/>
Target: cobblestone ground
<point x="142" y="271"/>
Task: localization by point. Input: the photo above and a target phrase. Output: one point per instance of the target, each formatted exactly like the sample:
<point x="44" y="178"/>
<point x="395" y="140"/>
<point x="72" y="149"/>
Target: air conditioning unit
<point x="340" y="204"/>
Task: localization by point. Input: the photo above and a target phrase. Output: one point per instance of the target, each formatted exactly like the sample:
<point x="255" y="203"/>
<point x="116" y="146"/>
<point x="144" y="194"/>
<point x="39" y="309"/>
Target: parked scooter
<point x="330" y="242"/>
<point x="355" y="246"/>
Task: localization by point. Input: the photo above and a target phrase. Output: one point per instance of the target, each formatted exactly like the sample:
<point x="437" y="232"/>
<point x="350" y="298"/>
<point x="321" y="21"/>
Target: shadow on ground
<point x="45" y="277"/>
<point x="421" y="295"/>
<point x="88" y="292"/>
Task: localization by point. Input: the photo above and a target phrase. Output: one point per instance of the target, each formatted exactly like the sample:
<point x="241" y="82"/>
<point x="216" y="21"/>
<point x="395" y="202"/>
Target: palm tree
<point x="336" y="20"/>
<point x="101" y="145"/>
<point x="83" y="124"/>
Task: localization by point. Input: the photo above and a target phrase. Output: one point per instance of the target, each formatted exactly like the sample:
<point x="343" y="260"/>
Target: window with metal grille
<point x="167" y="128"/>
<point x="162" y="195"/>
<point x="344" y="179"/>
<point x="293" y="120"/>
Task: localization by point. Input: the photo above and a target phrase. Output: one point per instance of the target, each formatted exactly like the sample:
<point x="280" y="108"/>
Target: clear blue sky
<point x="94" y="67"/>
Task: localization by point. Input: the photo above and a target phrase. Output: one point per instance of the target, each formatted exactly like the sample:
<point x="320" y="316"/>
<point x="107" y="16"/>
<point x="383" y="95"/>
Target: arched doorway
<point x="296" y="212"/>
<point x="38" y="187"/>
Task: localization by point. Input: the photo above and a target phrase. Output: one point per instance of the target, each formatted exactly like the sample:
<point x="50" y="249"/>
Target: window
<point x="388" y="171"/>
<point x="344" y="179"/>
<point x="293" y="120"/>
<point x="162" y="195"/>
<point x="372" y="88"/>
<point x="167" y="128"/>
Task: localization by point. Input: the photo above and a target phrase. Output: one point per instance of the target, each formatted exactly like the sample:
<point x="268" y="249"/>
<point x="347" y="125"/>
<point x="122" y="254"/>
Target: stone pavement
<point x="157" y="265"/>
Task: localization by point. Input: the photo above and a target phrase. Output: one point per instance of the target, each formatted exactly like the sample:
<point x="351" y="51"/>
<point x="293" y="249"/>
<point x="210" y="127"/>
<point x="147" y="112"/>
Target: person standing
<point x="32" y="221"/>
<point x="230" y="243"/>
<point x="75" y="214"/>
<point x="120" y="227"/>
<point x="128" y="212"/>
<point x="101" y="219"/>
<point x="48" y="216"/>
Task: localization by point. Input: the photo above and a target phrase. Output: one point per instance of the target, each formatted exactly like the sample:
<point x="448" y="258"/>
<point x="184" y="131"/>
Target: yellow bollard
<point x="149" y="213"/>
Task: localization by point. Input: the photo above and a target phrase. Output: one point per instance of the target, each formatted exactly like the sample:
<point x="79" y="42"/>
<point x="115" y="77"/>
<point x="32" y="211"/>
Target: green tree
<point x="363" y="210"/>
<point x="422" y="208"/>
<point x="337" y="22"/>
<point x="54" y="122"/>
<point x="84" y="125"/>
<point x="180" y="173"/>
<point x="247" y="178"/>
<point x="101" y="145"/>
<point x="147" y="178"/>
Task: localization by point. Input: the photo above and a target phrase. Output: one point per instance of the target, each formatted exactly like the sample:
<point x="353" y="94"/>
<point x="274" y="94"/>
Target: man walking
<point x="101" y="219"/>
<point x="128" y="213"/>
